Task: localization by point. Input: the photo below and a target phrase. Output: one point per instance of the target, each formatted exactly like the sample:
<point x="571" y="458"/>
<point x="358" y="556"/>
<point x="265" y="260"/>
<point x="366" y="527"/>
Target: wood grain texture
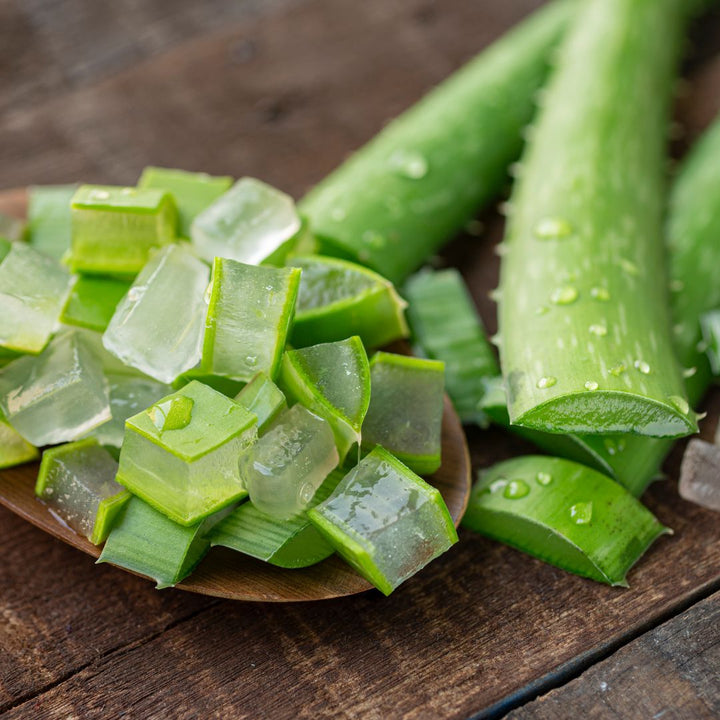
<point x="485" y="629"/>
<point x="670" y="673"/>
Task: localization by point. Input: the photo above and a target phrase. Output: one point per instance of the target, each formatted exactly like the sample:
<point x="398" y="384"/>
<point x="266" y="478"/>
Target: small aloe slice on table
<point x="147" y="542"/>
<point x="155" y="328"/>
<point x="251" y="223"/>
<point x="385" y="521"/>
<point x="564" y="513"/>
<point x="249" y="315"/>
<point x="415" y="185"/>
<point x="181" y="454"/>
<point x="406" y="409"/>
<point x="50" y="218"/>
<point x="446" y="327"/>
<point x="292" y="543"/>
<point x="338" y="298"/>
<point x="263" y="398"/>
<point x="77" y="482"/>
<point x="584" y="321"/>
<point x="333" y="381"/>
<point x="114" y="229"/>
<point x="93" y="301"/>
<point x="192" y="191"/>
<point x="33" y="290"/>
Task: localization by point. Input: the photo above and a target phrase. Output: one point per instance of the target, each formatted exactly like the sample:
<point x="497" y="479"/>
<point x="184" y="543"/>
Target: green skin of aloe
<point x="563" y="513"/>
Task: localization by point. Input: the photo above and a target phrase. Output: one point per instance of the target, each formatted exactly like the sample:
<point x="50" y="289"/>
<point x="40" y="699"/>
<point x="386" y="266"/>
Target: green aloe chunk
<point x="114" y="229"/>
<point x="248" y="318"/>
<point x="293" y="543"/>
<point x="584" y="321"/>
<point x="181" y="454"/>
<point x="406" y="409"/>
<point x="564" y="513"/>
<point x="251" y="223"/>
<point x="12" y="229"/>
<point x="192" y="191"/>
<point x="421" y="179"/>
<point x="385" y="521"/>
<point x="50" y="219"/>
<point x="710" y="324"/>
<point x="263" y="398"/>
<point x="33" y="290"/>
<point x="333" y="381"/>
<point x="14" y="449"/>
<point x="77" y="482"/>
<point x="147" y="542"/>
<point x="446" y="326"/>
<point x="92" y="302"/>
<point x="339" y="298"/>
<point x="225" y="385"/>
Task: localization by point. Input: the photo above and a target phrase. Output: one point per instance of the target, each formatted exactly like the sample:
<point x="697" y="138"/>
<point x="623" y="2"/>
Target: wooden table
<point x="283" y="90"/>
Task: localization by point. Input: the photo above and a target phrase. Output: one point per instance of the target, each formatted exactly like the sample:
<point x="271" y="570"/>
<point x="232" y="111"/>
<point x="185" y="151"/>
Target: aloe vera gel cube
<point x="289" y="463"/>
<point x="181" y="455"/>
<point x="248" y="318"/>
<point x="77" y="482"/>
<point x="192" y="191"/>
<point x="56" y="396"/>
<point x="263" y="398"/>
<point x="252" y="222"/>
<point x="33" y="290"/>
<point x="406" y="409"/>
<point x="386" y="522"/>
<point x="157" y="327"/>
<point x="50" y="218"/>
<point x="114" y="229"/>
<point x="14" y="449"/>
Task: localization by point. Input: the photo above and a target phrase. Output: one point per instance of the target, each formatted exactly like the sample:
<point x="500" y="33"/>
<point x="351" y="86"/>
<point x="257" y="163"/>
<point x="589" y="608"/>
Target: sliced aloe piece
<point x="332" y="380"/>
<point x="564" y="513"/>
<point x="248" y="318"/>
<point x="181" y="454"/>
<point x="92" y="302"/>
<point x="293" y="543"/>
<point x="192" y="192"/>
<point x="50" y="219"/>
<point x="77" y="482"/>
<point x="339" y="298"/>
<point x="114" y="229"/>
<point x="386" y="522"/>
<point x="406" y="408"/>
<point x="263" y="398"/>
<point x="145" y="541"/>
<point x="14" y="449"/>
<point x="446" y="327"/>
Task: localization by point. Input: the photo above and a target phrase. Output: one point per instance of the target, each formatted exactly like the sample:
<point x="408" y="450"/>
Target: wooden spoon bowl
<point x="228" y="574"/>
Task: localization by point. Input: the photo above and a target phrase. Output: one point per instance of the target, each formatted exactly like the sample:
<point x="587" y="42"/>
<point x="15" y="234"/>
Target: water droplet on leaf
<point x="543" y="478"/>
<point x="642" y="366"/>
<point x="591" y="385"/>
<point x="546" y="382"/>
<point x="565" y="295"/>
<point x="516" y="489"/>
<point x="581" y="513"/>
<point x="553" y="229"/>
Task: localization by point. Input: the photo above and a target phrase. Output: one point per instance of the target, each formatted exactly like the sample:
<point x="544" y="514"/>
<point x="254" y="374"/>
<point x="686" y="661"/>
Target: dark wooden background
<point x="283" y="89"/>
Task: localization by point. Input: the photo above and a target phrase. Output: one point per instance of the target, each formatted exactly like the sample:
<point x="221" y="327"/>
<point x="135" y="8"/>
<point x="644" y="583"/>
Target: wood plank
<point x="670" y="673"/>
<point x="462" y="636"/>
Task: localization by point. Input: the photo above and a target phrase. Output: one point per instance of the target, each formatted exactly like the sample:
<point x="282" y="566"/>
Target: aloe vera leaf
<point x="385" y="521"/>
<point x="446" y="326"/>
<point x="585" y="323"/>
<point x="419" y="181"/>
<point x="50" y="219"/>
<point x="290" y="543"/>
<point x="564" y="513"/>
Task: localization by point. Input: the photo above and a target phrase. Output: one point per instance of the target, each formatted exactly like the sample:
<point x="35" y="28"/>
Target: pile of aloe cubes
<point x="203" y="380"/>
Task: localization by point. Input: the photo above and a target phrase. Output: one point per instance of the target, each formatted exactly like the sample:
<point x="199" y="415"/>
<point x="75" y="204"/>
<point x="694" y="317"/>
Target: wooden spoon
<point x="228" y="574"/>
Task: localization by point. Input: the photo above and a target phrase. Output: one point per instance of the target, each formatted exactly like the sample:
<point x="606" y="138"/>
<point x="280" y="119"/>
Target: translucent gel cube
<point x="129" y="395"/>
<point x="57" y="396"/>
<point x="33" y="291"/>
<point x="252" y="223"/>
<point x="289" y="463"/>
<point x="157" y="327"/>
<point x="77" y="482"/>
<point x="385" y="521"/>
<point x="14" y="449"/>
<point x="181" y="455"/>
<point x="700" y="474"/>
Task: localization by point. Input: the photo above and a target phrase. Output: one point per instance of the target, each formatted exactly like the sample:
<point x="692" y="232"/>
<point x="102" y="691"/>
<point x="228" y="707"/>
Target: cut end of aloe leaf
<point x="598" y="412"/>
